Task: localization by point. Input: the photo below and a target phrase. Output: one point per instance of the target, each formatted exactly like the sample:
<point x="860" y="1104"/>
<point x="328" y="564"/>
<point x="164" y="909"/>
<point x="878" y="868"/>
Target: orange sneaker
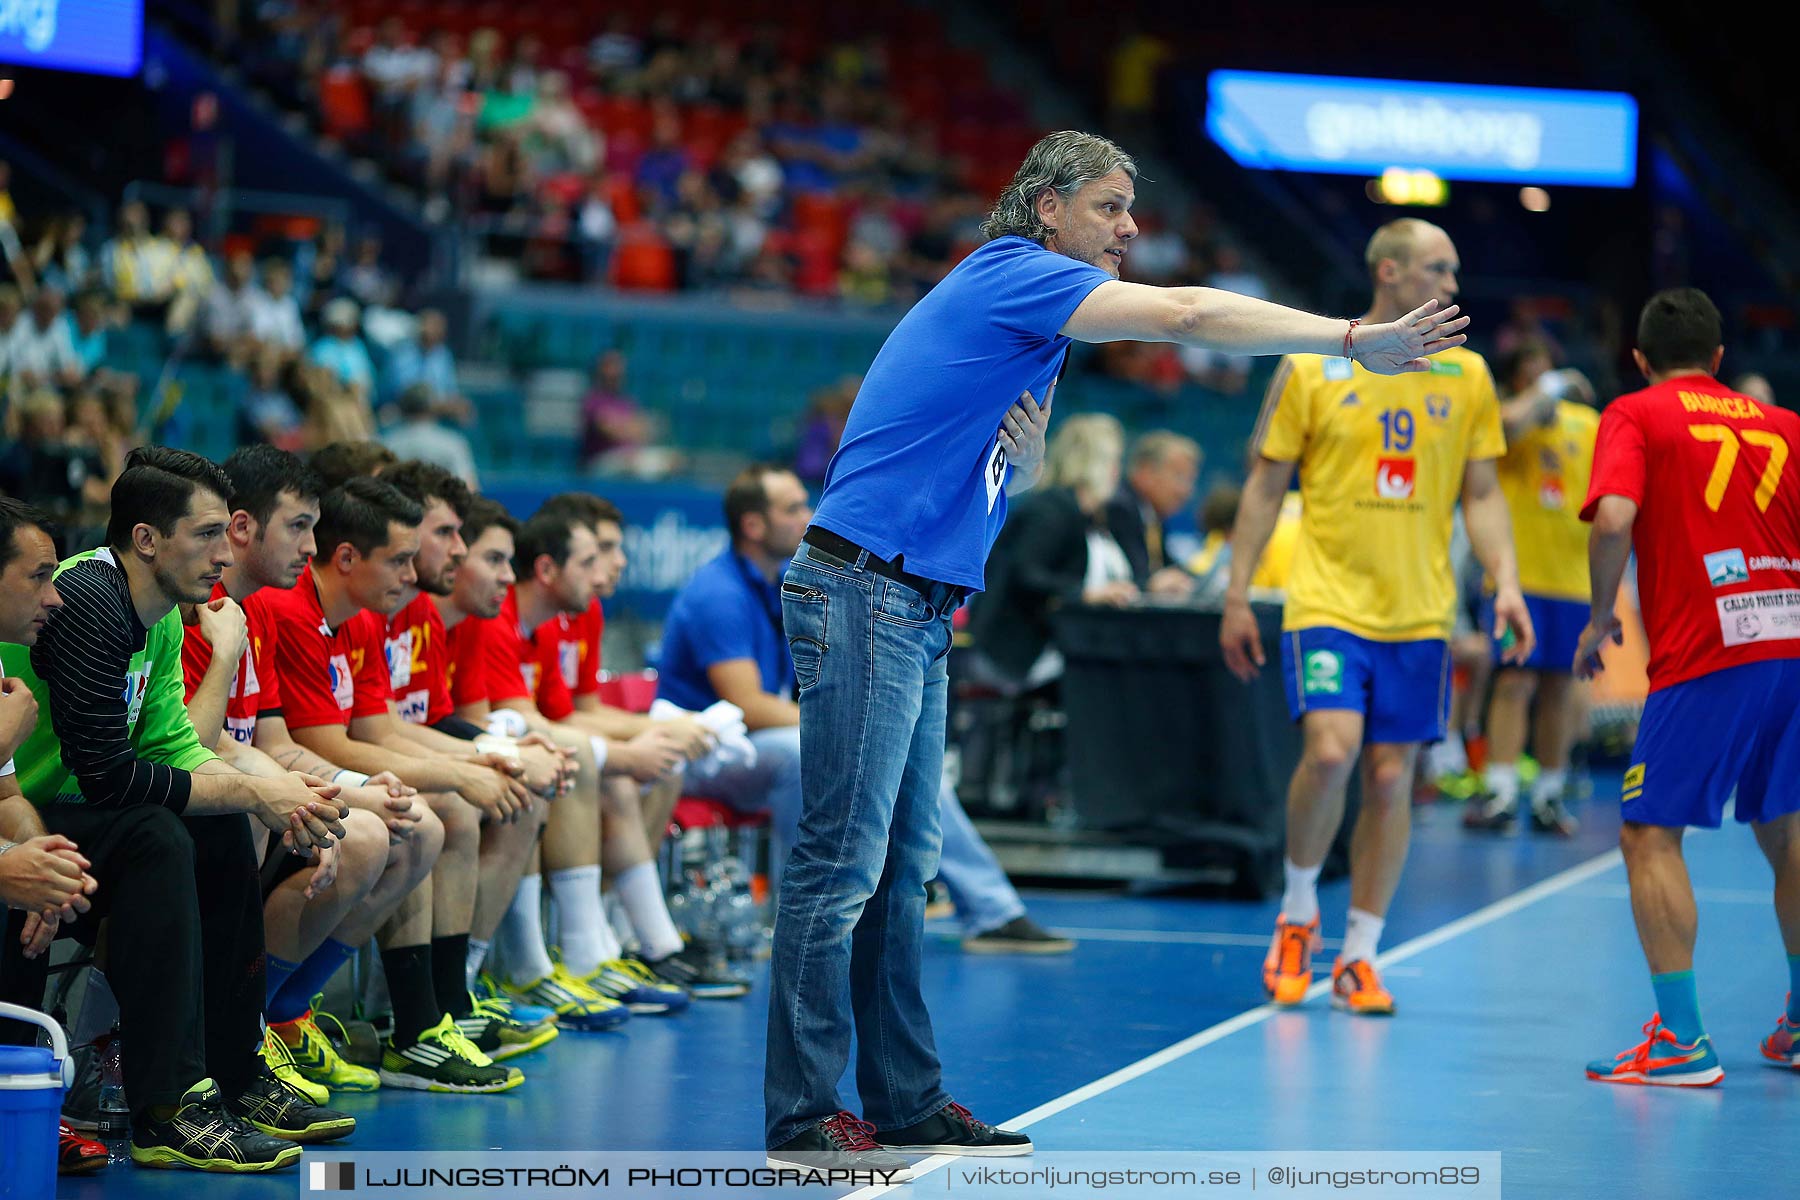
<point x="1287" y="971"/>
<point x="1356" y="988"/>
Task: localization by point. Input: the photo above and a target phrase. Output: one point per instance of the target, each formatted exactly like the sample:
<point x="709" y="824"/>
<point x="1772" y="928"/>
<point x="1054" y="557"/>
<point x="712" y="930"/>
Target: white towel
<point x="733" y="748"/>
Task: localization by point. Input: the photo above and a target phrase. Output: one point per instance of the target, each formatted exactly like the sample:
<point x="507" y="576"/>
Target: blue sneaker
<point x="1783" y="1046"/>
<point x="1661" y="1061"/>
<point x="488" y="988"/>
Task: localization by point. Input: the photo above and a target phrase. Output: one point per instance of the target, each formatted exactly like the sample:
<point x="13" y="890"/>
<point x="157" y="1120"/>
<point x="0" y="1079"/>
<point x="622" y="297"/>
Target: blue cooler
<point x="31" y="1092"/>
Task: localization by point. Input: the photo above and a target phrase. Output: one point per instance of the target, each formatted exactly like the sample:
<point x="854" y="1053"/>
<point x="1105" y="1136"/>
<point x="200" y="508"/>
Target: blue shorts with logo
<point x="1402" y="689"/>
<point x="1558" y="625"/>
<point x="1700" y="739"/>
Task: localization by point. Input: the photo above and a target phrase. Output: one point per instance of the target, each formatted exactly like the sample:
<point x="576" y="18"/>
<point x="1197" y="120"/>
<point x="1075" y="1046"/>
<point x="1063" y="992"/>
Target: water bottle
<point x="115" y="1114"/>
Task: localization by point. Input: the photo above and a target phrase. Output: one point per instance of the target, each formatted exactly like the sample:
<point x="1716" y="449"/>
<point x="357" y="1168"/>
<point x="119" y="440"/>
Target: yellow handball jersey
<point x="1545" y="477"/>
<point x="1381" y="461"/>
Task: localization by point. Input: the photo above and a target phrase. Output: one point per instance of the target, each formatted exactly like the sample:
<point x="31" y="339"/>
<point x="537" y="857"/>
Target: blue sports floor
<point x="1513" y="962"/>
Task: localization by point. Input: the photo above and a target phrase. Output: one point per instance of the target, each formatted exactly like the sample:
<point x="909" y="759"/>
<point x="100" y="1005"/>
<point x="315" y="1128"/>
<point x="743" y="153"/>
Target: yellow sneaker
<point x="281" y="1064"/>
<point x="576" y="1005"/>
<point x="317" y="1059"/>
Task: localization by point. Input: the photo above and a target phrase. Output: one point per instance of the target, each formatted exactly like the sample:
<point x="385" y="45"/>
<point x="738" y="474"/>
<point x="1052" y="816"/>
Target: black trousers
<point x="184" y="948"/>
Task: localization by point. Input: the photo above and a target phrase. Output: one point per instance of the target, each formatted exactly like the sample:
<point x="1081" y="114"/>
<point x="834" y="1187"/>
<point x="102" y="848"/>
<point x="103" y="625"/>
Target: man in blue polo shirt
<point x="948" y="420"/>
<point x="723" y="641"/>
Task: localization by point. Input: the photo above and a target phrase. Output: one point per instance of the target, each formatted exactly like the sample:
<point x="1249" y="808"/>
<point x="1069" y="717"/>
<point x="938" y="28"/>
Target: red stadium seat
<point x="344" y="103"/>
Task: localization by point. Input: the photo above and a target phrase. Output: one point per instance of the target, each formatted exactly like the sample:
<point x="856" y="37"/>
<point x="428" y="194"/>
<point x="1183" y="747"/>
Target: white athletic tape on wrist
<point x="492" y="743"/>
<point x="504" y="722"/>
<point x="599" y="745"/>
<point x="348" y="778"/>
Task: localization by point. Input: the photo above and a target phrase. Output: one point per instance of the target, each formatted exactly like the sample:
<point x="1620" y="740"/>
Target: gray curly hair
<point x="1065" y="161"/>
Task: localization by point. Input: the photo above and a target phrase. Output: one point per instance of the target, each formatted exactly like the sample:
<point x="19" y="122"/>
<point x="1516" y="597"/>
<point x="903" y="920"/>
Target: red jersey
<point x="329" y="675"/>
<point x="418" y="661"/>
<point x="253" y="687"/>
<point x="1718" y="537"/>
<point x="520" y="666"/>
<point x="573" y="643"/>
<point x="466" y="672"/>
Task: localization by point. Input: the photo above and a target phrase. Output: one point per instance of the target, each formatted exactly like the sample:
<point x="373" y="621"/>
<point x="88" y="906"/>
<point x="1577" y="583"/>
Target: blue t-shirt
<point x="726" y="611"/>
<point x="919" y="471"/>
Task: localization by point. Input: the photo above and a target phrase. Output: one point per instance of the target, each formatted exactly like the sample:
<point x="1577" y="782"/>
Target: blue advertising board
<point x="100" y="37"/>
<point x="1459" y="131"/>
<point x="670" y="530"/>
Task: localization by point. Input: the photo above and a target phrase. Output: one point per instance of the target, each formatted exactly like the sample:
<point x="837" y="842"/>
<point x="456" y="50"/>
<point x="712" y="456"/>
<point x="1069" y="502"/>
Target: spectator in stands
<point x="340" y="350"/>
<point x="47" y="468"/>
<point x="9" y="212"/>
<point x="40" y="351"/>
<point x="269" y="413"/>
<point x="557" y="137"/>
<point x="1053" y="550"/>
<point x="823" y="429"/>
<point x="318" y="266"/>
<point x="366" y="280"/>
<point x="12" y="303"/>
<point x="61" y="257"/>
<point x="333" y="411"/>
<point x="723" y="641"/>
<point x="275" y="314"/>
<point x="420" y="435"/>
<point x="667" y="160"/>
<point x="616" y="431"/>
<point x="1757" y="387"/>
<point x="1211" y="564"/>
<point x="227" y="320"/>
<point x="91" y="426"/>
<point x="11" y="248"/>
<point x="89" y="324"/>
<point x="117" y="768"/>
<point x="1159" y="484"/>
<point x="192" y="273"/>
<point x="138" y="266"/>
<point x="1227" y="373"/>
<point x="425" y="359"/>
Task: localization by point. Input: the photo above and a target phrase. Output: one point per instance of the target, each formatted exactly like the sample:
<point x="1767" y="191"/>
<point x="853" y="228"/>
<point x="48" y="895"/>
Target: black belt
<point x="849" y="551"/>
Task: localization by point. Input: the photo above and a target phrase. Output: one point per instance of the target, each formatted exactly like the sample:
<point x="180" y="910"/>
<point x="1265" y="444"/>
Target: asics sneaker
<point x="203" y="1136"/>
<point x="1661" y="1060"/>
<point x="281" y="1110"/>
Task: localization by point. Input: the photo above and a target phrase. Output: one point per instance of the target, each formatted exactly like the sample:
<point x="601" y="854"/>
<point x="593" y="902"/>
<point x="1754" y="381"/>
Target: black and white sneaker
<point x="1552" y="816"/>
<point x="203" y="1136"/>
<point x="839" y="1143"/>
<point x="704" y="973"/>
<point x="1021" y="935"/>
<point x="280" y="1110"/>
<point x="954" y="1130"/>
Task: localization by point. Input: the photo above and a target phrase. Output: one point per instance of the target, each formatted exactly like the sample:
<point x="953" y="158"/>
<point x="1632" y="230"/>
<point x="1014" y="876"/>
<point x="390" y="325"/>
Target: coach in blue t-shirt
<point x="946" y="423"/>
<point x="723" y="641"/>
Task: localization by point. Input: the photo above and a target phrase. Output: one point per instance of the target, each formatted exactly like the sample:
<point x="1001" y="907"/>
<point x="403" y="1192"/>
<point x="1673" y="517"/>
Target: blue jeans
<point x="983" y="896"/>
<point x="869" y="663"/>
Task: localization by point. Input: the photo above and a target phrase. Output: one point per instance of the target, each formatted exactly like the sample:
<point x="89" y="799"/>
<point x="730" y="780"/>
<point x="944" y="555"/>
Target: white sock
<point x="640" y="891"/>
<point x="523" y="926"/>
<point x="1362" y="934"/>
<point x="617" y="917"/>
<point x="478" y="952"/>
<point x="1549" y="786"/>
<point x="1502" y="779"/>
<point x="576" y="891"/>
<point x="1449" y="756"/>
<point x="1300" y="902"/>
<point x="608" y="934"/>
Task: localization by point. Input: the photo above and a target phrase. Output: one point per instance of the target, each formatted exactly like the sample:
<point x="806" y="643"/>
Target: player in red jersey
<point x="312" y="922"/>
<point x="330" y="653"/>
<point x="575" y="642"/>
<point x="1718" y="549"/>
<point x="421" y="711"/>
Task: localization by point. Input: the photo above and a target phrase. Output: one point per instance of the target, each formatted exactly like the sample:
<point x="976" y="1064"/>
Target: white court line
<point x="1559" y="882"/>
<point x="1172" y="936"/>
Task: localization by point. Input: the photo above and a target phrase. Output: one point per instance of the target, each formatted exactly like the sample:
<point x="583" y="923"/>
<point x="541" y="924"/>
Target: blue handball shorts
<point x="1698" y="740"/>
<point x="1402" y="689"/>
<point x="1558" y="625"/>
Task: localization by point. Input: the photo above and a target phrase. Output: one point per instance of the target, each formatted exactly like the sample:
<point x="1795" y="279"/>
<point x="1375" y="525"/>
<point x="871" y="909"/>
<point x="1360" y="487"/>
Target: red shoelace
<point x="849" y="1134"/>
